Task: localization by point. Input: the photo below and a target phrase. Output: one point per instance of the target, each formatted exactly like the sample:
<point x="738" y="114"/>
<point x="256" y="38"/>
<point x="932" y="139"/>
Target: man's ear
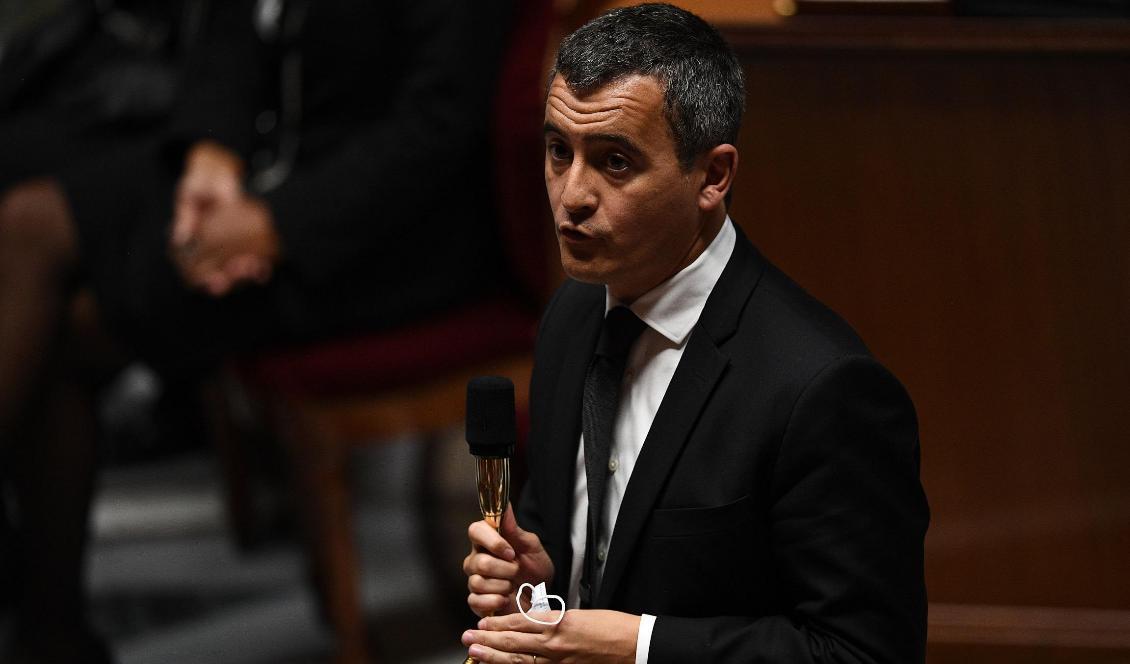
<point x="720" y="165"/>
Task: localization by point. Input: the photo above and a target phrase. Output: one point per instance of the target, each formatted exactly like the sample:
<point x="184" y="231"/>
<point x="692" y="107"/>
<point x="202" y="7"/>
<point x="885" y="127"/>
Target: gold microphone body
<point x="491" y="435"/>
<point x="494" y="495"/>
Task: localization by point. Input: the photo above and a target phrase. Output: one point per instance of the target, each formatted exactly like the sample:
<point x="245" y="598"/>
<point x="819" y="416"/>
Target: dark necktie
<point x="598" y="413"/>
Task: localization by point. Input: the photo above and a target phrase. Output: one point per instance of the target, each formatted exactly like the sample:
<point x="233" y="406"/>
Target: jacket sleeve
<point x="847" y="524"/>
<point x="222" y="80"/>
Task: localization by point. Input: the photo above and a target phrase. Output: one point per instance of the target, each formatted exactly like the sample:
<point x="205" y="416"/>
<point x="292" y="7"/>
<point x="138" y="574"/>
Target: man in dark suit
<point x="719" y="470"/>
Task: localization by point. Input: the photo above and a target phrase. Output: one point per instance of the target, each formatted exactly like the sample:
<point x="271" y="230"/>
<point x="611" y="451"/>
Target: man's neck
<point x="708" y="230"/>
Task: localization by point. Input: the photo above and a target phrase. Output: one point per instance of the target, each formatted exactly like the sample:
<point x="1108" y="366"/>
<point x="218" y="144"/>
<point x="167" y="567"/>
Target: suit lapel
<point x="564" y="431"/>
<point x="699" y="370"/>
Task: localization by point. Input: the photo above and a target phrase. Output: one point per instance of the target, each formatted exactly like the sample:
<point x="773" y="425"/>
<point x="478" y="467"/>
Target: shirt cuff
<point x="643" y="638"/>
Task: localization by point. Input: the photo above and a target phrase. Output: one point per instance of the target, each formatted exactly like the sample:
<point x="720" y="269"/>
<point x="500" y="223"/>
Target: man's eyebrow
<point x="618" y="139"/>
<point x="622" y="141"/>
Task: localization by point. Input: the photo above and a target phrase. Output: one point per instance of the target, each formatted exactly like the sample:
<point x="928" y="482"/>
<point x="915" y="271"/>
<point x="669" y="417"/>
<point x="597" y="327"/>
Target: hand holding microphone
<point x="500" y="562"/>
<point x="503" y="556"/>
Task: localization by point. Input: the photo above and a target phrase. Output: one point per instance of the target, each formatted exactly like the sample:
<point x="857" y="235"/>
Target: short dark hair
<point x="704" y="91"/>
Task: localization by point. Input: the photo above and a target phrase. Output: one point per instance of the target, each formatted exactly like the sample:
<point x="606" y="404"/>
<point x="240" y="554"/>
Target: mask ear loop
<point x="518" y="601"/>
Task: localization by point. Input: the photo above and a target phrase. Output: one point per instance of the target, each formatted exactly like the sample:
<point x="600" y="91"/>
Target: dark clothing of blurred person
<point x="340" y="117"/>
<point x="287" y="194"/>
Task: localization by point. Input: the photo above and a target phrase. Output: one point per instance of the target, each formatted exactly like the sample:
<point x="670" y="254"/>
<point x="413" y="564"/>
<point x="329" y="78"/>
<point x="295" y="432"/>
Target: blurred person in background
<point x="243" y="173"/>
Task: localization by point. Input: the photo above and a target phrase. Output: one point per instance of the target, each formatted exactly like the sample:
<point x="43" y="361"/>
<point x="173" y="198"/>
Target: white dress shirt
<point x="670" y="311"/>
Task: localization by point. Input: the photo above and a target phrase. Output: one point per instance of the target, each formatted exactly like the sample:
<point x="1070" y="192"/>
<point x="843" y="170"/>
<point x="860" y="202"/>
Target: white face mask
<point x="539" y="601"/>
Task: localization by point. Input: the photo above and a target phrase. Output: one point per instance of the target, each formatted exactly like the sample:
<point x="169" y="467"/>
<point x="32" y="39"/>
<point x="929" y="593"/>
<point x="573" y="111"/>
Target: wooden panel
<point x="969" y="213"/>
<point x="973" y="654"/>
<point x="1030" y="626"/>
<point x="715" y="11"/>
<point x="938" y="34"/>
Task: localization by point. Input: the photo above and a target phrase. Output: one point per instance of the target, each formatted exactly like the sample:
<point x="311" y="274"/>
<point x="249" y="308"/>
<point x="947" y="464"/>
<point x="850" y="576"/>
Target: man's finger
<point x="217" y="283"/>
<point x="482" y="605"/>
<point x="476" y="583"/>
<point x="502" y="644"/>
<point x="515" y="622"/>
<point x="484" y="564"/>
<point x="513" y="533"/>
<point x="491" y="656"/>
<point x="488" y="539"/>
<point x="246" y="267"/>
<point x="186" y="224"/>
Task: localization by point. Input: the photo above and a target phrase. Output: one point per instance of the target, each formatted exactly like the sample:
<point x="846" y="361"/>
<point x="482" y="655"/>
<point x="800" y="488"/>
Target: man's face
<point x="625" y="211"/>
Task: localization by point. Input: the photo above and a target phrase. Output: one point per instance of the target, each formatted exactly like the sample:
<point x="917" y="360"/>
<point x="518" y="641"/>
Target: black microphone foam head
<point x="490" y="416"/>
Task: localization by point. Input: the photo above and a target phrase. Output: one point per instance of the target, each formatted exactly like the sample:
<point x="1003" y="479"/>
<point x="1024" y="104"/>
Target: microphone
<point x="491" y="435"/>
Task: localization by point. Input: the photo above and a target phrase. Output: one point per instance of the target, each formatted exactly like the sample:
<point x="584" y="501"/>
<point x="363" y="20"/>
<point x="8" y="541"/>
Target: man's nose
<point x="577" y="194"/>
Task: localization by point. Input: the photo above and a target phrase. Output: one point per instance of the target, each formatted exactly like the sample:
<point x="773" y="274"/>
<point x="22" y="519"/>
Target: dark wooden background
<point x="960" y="191"/>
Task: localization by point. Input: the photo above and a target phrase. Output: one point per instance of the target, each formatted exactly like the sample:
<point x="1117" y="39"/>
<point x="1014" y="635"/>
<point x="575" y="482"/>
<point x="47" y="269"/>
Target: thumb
<point x="522" y="541"/>
<point x="186" y="222"/>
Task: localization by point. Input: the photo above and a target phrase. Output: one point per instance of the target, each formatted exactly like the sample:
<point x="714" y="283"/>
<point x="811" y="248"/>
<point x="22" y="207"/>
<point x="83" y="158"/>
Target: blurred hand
<point x="212" y="177"/>
<point x="500" y="562"/>
<point x="234" y="243"/>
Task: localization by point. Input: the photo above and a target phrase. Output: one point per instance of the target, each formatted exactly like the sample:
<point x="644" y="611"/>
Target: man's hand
<point x="500" y="562"/>
<point x="220" y="237"/>
<point x="212" y="177"/>
<point x="581" y="637"/>
<point x="234" y="243"/>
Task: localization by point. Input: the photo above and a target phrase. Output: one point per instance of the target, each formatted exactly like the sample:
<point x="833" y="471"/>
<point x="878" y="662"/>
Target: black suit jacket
<point x="775" y="512"/>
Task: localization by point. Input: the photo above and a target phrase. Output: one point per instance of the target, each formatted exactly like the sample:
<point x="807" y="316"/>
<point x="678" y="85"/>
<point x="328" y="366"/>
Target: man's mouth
<point x="573" y="233"/>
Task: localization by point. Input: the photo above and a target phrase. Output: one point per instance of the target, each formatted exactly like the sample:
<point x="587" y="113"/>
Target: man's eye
<point x="558" y="152"/>
<point x="616" y="163"/>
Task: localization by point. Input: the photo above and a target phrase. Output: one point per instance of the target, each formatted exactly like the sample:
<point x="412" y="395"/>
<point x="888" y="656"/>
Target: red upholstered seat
<point x="373" y="362"/>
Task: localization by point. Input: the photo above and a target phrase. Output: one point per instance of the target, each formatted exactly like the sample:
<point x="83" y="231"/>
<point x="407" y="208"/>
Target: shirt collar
<point x="673" y="307"/>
